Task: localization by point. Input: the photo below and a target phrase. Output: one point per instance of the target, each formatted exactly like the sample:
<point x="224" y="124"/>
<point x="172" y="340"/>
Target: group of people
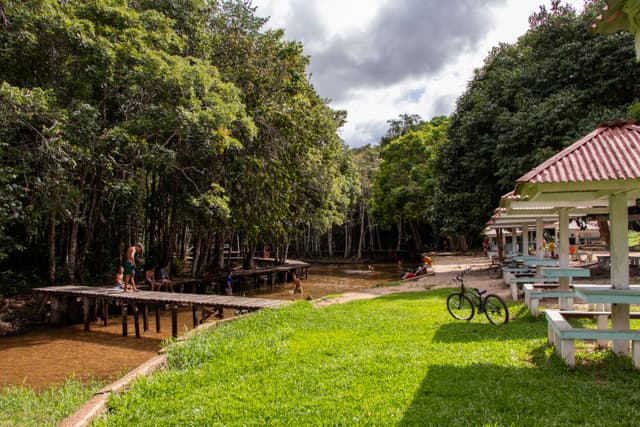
<point x="155" y="279"/>
<point x="421" y="269"/>
<point x="158" y="278"/>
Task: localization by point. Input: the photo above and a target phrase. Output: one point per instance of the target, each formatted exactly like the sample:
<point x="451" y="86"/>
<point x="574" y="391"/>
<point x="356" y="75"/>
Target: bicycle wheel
<point x="496" y="310"/>
<point x="495" y="271"/>
<point x="460" y="306"/>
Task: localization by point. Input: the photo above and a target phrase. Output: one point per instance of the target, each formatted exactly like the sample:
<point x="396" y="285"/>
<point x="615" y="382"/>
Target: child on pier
<point x="118" y="279"/>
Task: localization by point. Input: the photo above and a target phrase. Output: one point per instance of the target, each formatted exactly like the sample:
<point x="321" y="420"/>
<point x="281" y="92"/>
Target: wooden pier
<point x="136" y="303"/>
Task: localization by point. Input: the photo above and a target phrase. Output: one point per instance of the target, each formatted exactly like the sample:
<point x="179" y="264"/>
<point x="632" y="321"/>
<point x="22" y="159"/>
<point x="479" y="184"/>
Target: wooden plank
<point x="174" y="320"/>
<point x="125" y="332"/>
<point x="86" y="305"/>
<point x="145" y="317"/>
<point x="157" y="318"/>
<point x="136" y="318"/>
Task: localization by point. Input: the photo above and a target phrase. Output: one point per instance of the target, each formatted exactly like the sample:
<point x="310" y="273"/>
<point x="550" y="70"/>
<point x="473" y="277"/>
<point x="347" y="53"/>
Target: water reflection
<point x="51" y="355"/>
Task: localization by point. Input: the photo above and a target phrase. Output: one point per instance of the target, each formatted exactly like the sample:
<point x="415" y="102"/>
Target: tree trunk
<point x="72" y="255"/>
<point x="204" y="254"/>
<point x="347" y="239"/>
<point x="52" y="249"/>
<point x="416" y="236"/>
<point x="399" y="244"/>
<point x="362" y="230"/>
<point x="197" y="247"/>
<point x="330" y="241"/>
<point x="249" y="262"/>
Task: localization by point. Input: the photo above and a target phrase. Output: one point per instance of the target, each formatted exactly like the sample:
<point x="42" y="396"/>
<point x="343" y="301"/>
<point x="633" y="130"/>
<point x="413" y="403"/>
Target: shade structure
<point x="599" y="172"/>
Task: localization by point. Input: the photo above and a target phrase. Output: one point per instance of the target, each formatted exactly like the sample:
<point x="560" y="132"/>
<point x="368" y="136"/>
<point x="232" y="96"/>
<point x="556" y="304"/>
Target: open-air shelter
<point x="599" y="172"/>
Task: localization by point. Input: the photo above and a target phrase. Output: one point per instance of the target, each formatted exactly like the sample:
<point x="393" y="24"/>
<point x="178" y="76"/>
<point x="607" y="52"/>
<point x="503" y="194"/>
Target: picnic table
<point x="563" y="335"/>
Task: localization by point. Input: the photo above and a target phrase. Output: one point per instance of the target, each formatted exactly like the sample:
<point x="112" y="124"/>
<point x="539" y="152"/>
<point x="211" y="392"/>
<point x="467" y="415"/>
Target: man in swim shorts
<point x="130" y="267"/>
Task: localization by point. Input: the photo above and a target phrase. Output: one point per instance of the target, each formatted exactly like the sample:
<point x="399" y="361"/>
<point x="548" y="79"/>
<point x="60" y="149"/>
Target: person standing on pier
<point x="130" y="267"/>
<point x="229" y="283"/>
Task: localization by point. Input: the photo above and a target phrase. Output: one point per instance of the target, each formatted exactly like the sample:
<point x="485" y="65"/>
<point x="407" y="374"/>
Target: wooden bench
<point x="535" y="292"/>
<point x="562" y="335"/>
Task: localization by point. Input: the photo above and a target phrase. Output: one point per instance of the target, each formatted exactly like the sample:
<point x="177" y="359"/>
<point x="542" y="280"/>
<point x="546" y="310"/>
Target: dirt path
<point x="445" y="268"/>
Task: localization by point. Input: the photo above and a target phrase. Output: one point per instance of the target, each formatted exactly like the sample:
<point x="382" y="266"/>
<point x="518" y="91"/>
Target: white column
<point x="525" y="240"/>
<point x="514" y="239"/>
<point x="539" y="238"/>
<point x="562" y="246"/>
<point x="619" y="249"/>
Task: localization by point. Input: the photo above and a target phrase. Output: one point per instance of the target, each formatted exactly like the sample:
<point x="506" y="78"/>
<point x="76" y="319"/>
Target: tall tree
<point x="528" y="101"/>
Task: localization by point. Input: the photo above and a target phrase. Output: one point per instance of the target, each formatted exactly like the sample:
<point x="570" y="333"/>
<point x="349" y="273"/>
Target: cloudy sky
<point x="378" y="59"/>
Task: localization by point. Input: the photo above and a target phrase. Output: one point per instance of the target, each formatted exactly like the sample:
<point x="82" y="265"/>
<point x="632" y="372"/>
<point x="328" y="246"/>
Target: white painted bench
<point x="517" y="283"/>
<point x="534" y="292"/>
<point x="562" y="335"/>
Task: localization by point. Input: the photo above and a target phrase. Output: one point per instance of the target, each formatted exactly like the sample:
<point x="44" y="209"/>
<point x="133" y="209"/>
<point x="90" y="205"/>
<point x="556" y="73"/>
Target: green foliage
<point x="402" y="360"/>
<point x="527" y="102"/>
<point x="122" y="121"/>
<point x="22" y="406"/>
<point x="403" y="187"/>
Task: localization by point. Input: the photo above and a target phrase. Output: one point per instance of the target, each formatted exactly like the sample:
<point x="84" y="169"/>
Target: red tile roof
<point x="611" y="152"/>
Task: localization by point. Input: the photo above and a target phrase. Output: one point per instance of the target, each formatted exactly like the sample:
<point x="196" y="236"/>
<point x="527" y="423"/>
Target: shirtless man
<point x="130" y="267"/>
<point x="297" y="285"/>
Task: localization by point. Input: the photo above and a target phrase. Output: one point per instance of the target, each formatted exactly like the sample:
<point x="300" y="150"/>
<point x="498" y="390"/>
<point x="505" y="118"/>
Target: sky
<point x="378" y="59"/>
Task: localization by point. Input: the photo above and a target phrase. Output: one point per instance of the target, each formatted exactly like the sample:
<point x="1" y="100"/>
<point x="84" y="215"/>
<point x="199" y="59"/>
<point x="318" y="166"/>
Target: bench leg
<point x="566" y="351"/>
<point x="636" y="353"/>
<point x="533" y="306"/>
<point x="514" y="291"/>
<point x="551" y="335"/>
<point x="527" y="299"/>
<point x="565" y="303"/>
<point x="603" y="323"/>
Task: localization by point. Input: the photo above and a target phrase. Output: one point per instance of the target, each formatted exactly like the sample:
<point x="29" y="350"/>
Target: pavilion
<point x="599" y="172"/>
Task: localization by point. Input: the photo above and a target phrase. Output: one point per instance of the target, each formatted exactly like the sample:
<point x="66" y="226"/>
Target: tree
<point x="527" y="102"/>
<point x="403" y="187"/>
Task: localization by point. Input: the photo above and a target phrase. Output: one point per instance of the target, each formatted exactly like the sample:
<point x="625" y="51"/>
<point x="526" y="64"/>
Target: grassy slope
<point x="21" y="406"/>
<point x="399" y="359"/>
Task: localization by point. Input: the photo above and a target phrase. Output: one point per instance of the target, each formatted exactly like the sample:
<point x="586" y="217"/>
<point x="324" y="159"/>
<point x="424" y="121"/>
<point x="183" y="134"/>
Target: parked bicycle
<point x="463" y="304"/>
<point x="495" y="269"/>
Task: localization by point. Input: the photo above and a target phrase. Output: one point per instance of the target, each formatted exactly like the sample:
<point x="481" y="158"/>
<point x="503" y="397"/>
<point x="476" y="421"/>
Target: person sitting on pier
<point x="118" y="279"/>
<point x="229" y="283"/>
<point x="150" y="278"/>
<point x="297" y="284"/>
<point x="130" y="267"/>
<point x="163" y="278"/>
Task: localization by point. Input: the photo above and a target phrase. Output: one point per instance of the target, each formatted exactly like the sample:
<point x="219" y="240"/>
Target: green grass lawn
<point x="394" y="360"/>
<point x="634" y="239"/>
<point x="22" y="406"/>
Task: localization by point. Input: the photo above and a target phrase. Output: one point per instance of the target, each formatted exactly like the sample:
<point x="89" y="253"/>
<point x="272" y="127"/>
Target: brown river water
<point x="51" y="355"/>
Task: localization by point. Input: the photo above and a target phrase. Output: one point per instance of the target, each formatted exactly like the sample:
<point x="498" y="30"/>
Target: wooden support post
<point x="195" y="316"/>
<point x="86" y="308"/>
<point x="174" y="320"/>
<point x="157" y="318"/>
<point x="145" y="317"/>
<point x="136" y="320"/>
<point x="125" y="332"/>
<point x="105" y="312"/>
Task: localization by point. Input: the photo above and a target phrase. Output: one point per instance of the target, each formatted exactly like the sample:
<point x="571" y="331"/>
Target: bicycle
<point x="462" y="305"/>
<point x="495" y="269"/>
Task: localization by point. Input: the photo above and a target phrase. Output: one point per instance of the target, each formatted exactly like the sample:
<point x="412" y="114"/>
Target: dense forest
<point x="190" y="128"/>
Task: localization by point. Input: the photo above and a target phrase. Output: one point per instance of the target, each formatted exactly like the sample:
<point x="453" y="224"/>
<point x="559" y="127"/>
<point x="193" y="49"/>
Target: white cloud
<point x="378" y="59"/>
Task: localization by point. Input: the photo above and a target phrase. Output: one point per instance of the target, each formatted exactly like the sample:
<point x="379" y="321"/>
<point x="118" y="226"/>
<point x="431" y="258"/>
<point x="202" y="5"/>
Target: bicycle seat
<point x="480" y="291"/>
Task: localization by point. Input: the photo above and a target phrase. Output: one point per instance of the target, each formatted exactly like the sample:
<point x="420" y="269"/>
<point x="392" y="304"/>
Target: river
<point x="51" y="355"/>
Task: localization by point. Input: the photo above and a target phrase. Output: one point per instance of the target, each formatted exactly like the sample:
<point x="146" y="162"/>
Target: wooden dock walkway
<point x="138" y="302"/>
